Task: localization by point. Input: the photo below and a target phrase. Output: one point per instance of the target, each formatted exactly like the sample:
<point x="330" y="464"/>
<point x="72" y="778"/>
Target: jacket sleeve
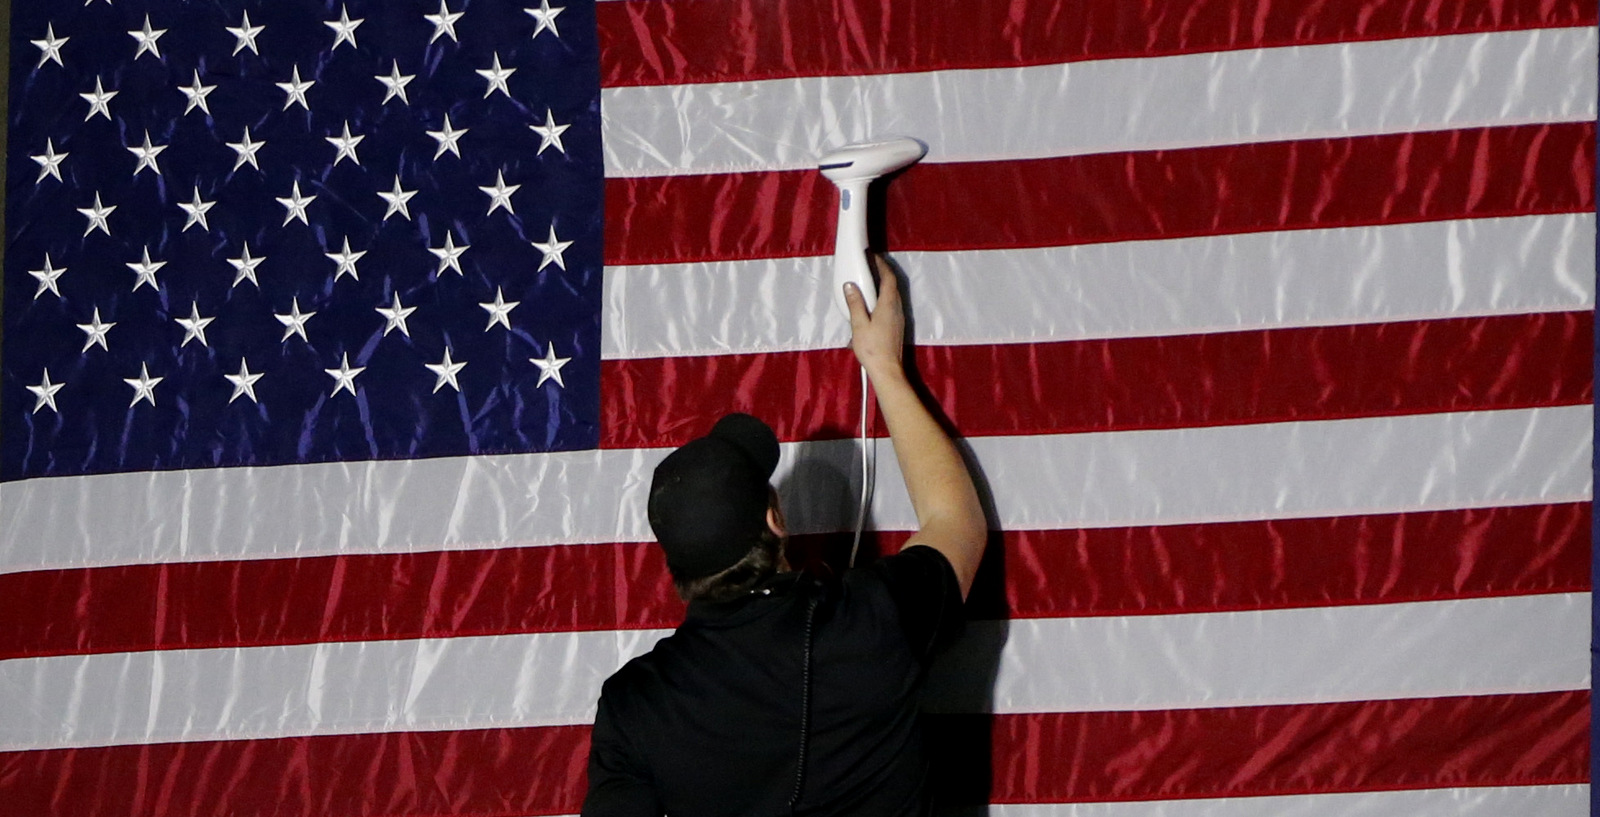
<point x="619" y="784"/>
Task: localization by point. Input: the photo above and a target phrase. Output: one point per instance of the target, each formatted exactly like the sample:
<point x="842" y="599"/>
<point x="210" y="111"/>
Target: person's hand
<point x="877" y="337"/>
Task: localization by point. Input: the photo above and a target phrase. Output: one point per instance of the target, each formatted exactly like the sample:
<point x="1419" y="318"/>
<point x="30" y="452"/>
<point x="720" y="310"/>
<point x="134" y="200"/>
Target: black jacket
<point x="709" y="723"/>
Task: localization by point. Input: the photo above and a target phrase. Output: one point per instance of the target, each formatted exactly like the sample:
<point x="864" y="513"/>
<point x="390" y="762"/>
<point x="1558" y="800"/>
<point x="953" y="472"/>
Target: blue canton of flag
<point x="292" y="231"/>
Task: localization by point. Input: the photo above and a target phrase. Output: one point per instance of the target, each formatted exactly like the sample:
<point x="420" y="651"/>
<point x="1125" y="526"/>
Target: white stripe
<point x="1486" y="801"/>
<point x="313" y="689"/>
<point x="1126" y="289"/>
<point x="1489" y="801"/>
<point x="452" y="503"/>
<point x="1254" y="658"/>
<point x="1259" y="95"/>
<point x="1327" y="468"/>
<point x="1370" y="465"/>
<point x="1521" y="644"/>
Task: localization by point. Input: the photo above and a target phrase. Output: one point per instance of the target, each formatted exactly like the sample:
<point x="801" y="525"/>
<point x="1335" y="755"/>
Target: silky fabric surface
<point x="1264" y="326"/>
<point x="1102" y="571"/>
<point x="343" y="257"/>
<point x="1013" y="759"/>
<point x="645" y="44"/>
<point x="1298" y="278"/>
<point x="1041" y="481"/>
<point x="1053" y="110"/>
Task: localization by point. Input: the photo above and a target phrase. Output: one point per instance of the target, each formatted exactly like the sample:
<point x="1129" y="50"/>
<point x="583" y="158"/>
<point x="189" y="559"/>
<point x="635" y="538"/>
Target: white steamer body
<point x="853" y="168"/>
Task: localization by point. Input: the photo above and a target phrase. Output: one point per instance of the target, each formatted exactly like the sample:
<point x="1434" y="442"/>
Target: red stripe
<point x="482" y="773"/>
<point x="1122" y="384"/>
<point x="1378" y="558"/>
<point x="1030" y="574"/>
<point x="1493" y="740"/>
<point x="335" y="598"/>
<point x="649" y="42"/>
<point x="1320" y="183"/>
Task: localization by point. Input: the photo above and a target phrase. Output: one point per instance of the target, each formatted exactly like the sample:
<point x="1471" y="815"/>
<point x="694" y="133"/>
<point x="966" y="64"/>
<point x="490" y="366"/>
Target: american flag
<point x="1268" y="326"/>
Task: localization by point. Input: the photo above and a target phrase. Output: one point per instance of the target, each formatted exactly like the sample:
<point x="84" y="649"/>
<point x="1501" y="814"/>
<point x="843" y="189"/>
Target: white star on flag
<point x="99" y="186"/>
<point x="147" y="154"/>
<point x="500" y="193"/>
<point x="96" y="330"/>
<point x="245" y="36"/>
<point x="144" y="386"/>
<point x="146" y="270"/>
<point x="447" y="370"/>
<point x="550" y="366"/>
<point x="344" y="377"/>
<point x="444" y="22"/>
<point x="552" y="250"/>
<point x="50" y="48"/>
<point x="397" y="199"/>
<point x="46" y="393"/>
<point x="346" y="145"/>
<point x="246" y="148"/>
<point x="395" y="84"/>
<point x="550" y="133"/>
<point x="97" y="216"/>
<point x="98" y="101"/>
<point x="344" y="31"/>
<point x="499" y="310"/>
<point x="296" y="206"/>
<point x="497" y="77"/>
<point x="197" y="210"/>
<point x="194" y="326"/>
<point x="147" y="37"/>
<point x="545" y="15"/>
<point x="296" y="90"/>
<point x="197" y="93"/>
<point x="294" y="323"/>
<point x="49" y="162"/>
<point x="245" y="267"/>
<point x="449" y="255"/>
<point x="447" y="138"/>
<point x="395" y="317"/>
<point x="244" y="383"/>
<point x="47" y="278"/>
<point x="346" y="261"/>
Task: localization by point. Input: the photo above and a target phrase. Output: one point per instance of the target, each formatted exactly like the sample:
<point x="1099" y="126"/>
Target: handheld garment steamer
<point x="854" y="168"/>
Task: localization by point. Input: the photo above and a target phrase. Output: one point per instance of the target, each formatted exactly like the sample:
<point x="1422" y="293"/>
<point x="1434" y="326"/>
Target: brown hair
<point x="744" y="576"/>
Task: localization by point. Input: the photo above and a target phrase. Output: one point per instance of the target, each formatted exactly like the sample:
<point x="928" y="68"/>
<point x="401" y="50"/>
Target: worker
<point x="782" y="693"/>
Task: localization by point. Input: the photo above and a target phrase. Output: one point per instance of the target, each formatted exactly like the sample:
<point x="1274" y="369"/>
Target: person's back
<point x="715" y="711"/>
<point x="780" y="694"/>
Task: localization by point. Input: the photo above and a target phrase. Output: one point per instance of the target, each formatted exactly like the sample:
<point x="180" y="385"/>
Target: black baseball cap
<point x="708" y="499"/>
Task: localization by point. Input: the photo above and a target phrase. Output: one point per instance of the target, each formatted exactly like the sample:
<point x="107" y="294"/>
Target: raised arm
<point x="949" y="517"/>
